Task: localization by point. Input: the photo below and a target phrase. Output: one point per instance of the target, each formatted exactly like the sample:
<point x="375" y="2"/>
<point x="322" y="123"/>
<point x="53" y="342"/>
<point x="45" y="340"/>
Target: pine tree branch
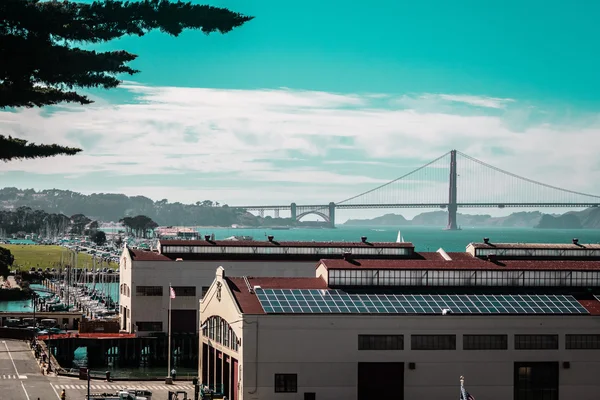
<point x="19" y="149"/>
<point x="63" y="65"/>
<point x="109" y="19"/>
<point x="37" y="96"/>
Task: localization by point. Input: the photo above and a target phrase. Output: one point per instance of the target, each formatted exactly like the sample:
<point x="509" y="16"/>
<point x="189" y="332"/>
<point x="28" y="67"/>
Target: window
<point x="433" y="342"/>
<point x="149" y="290"/>
<point x="381" y="342"/>
<point x="217" y="329"/>
<point x="205" y="290"/>
<point x="185" y="291"/>
<point x="485" y="342"/>
<point x="286" y="383"/>
<point x="582" y="342"/>
<point x="155" y="326"/>
<point x="536" y="342"/>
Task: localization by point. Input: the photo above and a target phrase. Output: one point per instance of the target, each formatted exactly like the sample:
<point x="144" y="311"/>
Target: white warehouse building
<point x="189" y="266"/>
<point x="521" y="322"/>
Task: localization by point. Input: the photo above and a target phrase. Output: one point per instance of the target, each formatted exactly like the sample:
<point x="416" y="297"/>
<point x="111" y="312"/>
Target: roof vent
<point x="257" y="287"/>
<point x="486" y="240"/>
<point x="347" y="255"/>
<point x="575" y="241"/>
<point x="270" y="237"/>
<point x="363" y="239"/>
<point x="179" y="259"/>
<point x="207" y="238"/>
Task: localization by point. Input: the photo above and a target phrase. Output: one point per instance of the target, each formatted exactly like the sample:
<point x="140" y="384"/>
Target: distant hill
<point x="109" y="207"/>
<point x="384" y="220"/>
<point x="586" y="219"/>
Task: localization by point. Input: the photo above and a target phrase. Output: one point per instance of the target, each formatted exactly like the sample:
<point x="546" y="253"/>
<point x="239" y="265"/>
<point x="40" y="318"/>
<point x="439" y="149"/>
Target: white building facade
<point x="275" y="338"/>
<point x="189" y="265"/>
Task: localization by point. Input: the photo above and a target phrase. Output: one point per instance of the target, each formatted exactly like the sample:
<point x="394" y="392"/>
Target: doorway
<point x="381" y="381"/>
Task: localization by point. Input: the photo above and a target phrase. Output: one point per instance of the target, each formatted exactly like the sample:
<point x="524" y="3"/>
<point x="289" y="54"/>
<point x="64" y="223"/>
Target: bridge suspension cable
<point x="378" y="196"/>
<point x="524" y="179"/>
<point x="478" y="184"/>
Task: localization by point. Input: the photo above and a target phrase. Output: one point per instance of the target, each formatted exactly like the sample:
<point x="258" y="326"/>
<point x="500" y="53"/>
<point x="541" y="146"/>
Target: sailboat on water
<point x="399" y="239"/>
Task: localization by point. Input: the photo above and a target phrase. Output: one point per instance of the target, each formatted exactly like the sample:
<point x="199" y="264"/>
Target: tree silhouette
<point x="6" y="261"/>
<point x="41" y="65"/>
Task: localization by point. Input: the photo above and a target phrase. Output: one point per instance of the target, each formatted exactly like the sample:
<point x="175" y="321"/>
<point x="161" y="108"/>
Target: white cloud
<point x="477" y="101"/>
<point x="260" y="138"/>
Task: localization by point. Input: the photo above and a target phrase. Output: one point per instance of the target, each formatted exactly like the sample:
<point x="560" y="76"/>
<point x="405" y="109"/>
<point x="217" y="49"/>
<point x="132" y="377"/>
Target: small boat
<point x="400" y="239"/>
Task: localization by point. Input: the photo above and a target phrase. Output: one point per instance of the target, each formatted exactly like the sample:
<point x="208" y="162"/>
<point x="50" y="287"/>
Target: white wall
<point x="323" y="351"/>
<point x="192" y="273"/>
<point x="125" y="302"/>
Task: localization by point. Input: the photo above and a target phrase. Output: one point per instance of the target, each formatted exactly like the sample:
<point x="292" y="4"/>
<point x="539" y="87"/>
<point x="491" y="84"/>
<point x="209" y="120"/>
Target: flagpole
<point x="169" y="338"/>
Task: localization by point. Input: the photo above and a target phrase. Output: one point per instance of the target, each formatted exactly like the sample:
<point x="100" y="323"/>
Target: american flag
<point x="464" y="395"/>
<point x="172" y="292"/>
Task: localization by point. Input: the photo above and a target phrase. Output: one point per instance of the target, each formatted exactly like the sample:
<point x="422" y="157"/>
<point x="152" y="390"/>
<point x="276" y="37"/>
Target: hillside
<point x="586" y="219"/>
<point x="112" y="207"/>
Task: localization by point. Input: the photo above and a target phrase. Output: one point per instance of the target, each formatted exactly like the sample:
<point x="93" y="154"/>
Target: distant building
<point x="189" y="266"/>
<point x="520" y="323"/>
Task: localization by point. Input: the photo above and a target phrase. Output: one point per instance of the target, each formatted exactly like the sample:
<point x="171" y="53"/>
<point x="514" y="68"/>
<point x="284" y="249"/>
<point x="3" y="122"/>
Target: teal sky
<point x="372" y="90"/>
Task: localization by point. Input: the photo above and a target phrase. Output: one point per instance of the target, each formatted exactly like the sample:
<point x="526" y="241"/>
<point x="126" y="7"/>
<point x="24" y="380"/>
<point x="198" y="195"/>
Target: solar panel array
<point x="334" y="301"/>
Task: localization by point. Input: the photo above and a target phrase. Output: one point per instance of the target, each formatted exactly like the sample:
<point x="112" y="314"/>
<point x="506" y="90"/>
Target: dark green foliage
<point x="25" y="220"/>
<point x="40" y="63"/>
<point x="98" y="237"/>
<point x="139" y="225"/>
<point x="6" y="261"/>
<point x="79" y="223"/>
<point x="19" y="149"/>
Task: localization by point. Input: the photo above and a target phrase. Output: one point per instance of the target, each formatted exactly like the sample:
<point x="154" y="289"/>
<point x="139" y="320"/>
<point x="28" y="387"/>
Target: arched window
<point x="220" y="331"/>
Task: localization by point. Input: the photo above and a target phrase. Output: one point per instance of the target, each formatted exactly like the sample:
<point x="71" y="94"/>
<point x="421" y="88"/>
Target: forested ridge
<point x="107" y="207"/>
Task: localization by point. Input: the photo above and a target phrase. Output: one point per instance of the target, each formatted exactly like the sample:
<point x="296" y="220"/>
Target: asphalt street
<point x="20" y="376"/>
<point x="21" y="379"/>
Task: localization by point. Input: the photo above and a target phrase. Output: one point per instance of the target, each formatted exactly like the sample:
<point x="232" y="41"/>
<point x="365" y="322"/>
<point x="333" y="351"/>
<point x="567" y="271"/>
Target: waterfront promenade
<point x="21" y="379"/>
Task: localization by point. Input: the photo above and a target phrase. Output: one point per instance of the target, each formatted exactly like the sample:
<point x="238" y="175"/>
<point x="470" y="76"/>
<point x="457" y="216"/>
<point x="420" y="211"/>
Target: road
<point x="21" y="379"/>
<point x="20" y="376"/>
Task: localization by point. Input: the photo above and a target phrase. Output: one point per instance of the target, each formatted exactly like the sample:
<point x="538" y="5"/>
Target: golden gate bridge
<point x="452" y="181"/>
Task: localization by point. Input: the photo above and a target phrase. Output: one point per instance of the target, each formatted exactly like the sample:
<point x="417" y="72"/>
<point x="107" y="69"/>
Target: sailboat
<point x="399" y="239"/>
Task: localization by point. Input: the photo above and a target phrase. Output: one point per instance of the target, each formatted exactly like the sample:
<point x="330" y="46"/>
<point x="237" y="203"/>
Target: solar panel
<point x="334" y="301"/>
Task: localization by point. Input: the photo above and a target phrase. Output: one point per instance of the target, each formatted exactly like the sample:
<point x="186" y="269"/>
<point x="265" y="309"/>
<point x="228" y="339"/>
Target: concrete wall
<point x="190" y="273"/>
<point x="323" y="351"/>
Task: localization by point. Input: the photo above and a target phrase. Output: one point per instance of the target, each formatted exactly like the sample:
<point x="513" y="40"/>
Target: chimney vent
<point x="207" y="238"/>
<point x="363" y="239"/>
<point x="347" y="255"/>
<point x="486" y="240"/>
<point x="575" y="241"/>
<point x="491" y="257"/>
<point x="270" y="237"/>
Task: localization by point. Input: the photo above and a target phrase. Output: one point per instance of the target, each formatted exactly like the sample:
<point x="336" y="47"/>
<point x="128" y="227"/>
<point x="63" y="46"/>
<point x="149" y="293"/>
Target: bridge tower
<point x="293" y="211"/>
<point x="452" y="204"/>
<point x="332" y="214"/>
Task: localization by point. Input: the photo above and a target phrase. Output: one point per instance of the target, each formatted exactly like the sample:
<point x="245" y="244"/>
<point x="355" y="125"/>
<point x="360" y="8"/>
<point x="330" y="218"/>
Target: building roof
<point x="460" y="261"/>
<point x="275" y="243"/>
<point x="562" y="246"/>
<point x="248" y="302"/>
<point x="146" y="255"/>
